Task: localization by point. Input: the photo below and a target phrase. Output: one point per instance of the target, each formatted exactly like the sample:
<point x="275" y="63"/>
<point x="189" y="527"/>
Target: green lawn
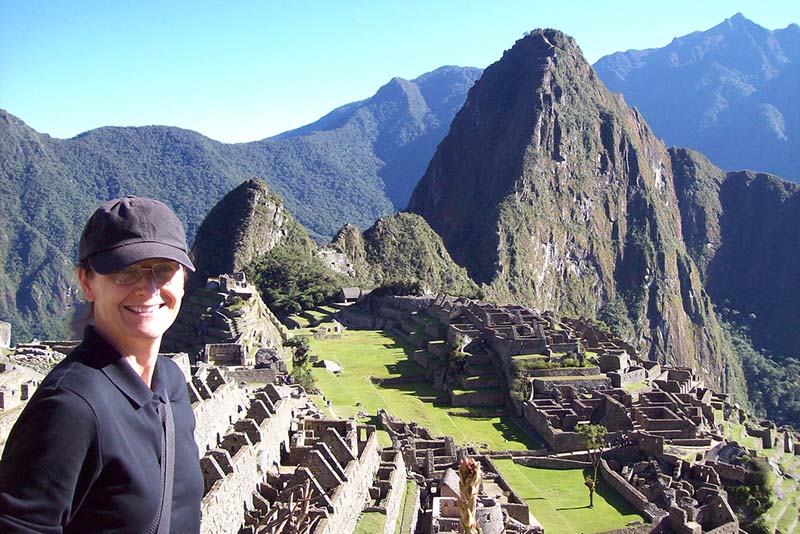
<point x="560" y="501"/>
<point x="302" y="321"/>
<point x="406" y="515"/>
<point x="370" y="523"/>
<point x="365" y="353"/>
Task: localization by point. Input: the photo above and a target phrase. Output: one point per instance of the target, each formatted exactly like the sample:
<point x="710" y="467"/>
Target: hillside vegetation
<point x="403" y="247"/>
<point x="349" y="166"/>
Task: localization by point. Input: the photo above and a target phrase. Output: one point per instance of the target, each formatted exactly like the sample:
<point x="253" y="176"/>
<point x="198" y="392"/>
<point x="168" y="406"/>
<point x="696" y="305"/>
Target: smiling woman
<point x="106" y="444"/>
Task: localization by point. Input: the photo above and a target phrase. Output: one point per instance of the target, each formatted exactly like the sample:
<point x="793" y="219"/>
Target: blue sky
<point x="245" y="70"/>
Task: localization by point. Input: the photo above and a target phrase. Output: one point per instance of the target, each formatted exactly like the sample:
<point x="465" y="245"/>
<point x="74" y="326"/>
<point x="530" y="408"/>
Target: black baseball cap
<point x="128" y="230"/>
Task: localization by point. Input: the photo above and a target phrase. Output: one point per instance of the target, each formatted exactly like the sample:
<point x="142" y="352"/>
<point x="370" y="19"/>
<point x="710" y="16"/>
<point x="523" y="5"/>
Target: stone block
<point x="211" y="473"/>
<point x="201" y="388"/>
<point x="248" y="427"/>
<point x="258" y="411"/>
<point x="338" y="447"/>
<point x="215" y="379"/>
<point x="273" y="394"/>
<point x="222" y="459"/>
<point x="234" y="441"/>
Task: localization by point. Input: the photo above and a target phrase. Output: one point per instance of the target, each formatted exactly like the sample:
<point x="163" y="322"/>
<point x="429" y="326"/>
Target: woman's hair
<point x="82" y="312"/>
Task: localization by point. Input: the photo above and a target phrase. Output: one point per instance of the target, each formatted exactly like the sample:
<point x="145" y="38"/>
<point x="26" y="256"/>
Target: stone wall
<point x="546" y="387"/>
<point x="651" y="444"/>
<point x="633" y="375"/>
<point x="259" y="376"/>
<point x="216" y="406"/>
<point x="566" y="371"/>
<point x="729" y="472"/>
<point x="225" y="354"/>
<point x="551" y="463"/>
<point x="396" y="496"/>
<point x="407" y="303"/>
<point x="229" y="482"/>
<point x="349" y="498"/>
<point x="232" y="471"/>
<point x="628" y="492"/>
<point x="483" y="397"/>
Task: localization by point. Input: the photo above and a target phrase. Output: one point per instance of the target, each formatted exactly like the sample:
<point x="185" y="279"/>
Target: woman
<point x="86" y="454"/>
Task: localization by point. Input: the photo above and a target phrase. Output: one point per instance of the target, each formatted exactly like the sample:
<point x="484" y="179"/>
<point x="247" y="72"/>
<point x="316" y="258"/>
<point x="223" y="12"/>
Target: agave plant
<point x="469" y="475"/>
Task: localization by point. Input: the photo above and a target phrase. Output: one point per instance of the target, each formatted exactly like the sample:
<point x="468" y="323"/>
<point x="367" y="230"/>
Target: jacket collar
<point x="105" y="357"/>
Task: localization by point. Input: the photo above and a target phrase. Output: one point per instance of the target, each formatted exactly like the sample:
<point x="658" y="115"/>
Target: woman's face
<point x="135" y="315"/>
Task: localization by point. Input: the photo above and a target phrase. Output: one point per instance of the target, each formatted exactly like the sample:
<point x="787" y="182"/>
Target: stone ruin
<point x="433" y="462"/>
<point x="228" y="310"/>
<point x="676" y="416"/>
<point x="334" y="331"/>
<point x="22" y="373"/>
<point x="265" y="451"/>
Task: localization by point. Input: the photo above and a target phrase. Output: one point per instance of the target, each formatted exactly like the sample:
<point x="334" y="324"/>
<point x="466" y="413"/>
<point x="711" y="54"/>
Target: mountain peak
<point x="246" y="223"/>
<point x="553" y="193"/>
<point x="737" y="22"/>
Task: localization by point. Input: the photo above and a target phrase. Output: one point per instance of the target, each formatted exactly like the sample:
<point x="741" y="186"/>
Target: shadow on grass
<point x="406" y="368"/>
<point x="511" y="432"/>
<point x="423" y="390"/>
<point x="609" y="495"/>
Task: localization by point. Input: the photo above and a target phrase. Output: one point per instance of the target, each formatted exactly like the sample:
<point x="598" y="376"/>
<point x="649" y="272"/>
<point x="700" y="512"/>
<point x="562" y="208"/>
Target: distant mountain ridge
<point x="346" y="169"/>
<point x="729" y="92"/>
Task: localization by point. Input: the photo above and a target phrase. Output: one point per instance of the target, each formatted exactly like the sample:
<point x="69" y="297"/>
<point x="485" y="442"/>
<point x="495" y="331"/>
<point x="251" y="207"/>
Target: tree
<point x="300" y="372"/>
<point x="594" y="439"/>
<point x="300" y="348"/>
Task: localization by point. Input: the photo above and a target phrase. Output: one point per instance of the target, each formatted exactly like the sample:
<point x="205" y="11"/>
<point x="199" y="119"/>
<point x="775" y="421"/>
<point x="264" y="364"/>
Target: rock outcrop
<point x="247" y="222"/>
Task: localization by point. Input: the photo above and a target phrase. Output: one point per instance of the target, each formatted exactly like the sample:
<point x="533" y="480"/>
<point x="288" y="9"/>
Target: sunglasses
<point x="162" y="273"/>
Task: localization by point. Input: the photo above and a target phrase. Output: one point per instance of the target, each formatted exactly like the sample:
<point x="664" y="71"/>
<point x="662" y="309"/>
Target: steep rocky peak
<point x="554" y="193"/>
<point x="249" y="221"/>
<point x="738" y="22"/>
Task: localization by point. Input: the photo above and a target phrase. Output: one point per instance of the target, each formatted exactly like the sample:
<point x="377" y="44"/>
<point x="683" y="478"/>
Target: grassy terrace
<point x="560" y="501"/>
<point x="784" y="515"/>
<point x="370" y="523"/>
<point x="368" y="353"/>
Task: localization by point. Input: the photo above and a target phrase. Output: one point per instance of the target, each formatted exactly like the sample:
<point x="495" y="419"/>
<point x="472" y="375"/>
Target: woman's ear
<point x="85" y="279"/>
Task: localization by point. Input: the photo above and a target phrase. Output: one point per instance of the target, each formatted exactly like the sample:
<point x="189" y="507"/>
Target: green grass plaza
<point x="558" y="499"/>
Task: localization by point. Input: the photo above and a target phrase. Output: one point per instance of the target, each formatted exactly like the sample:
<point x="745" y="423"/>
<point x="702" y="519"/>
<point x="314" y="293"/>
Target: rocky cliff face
<point x="247" y="222"/>
<point x="741" y="229"/>
<point x="551" y="191"/>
